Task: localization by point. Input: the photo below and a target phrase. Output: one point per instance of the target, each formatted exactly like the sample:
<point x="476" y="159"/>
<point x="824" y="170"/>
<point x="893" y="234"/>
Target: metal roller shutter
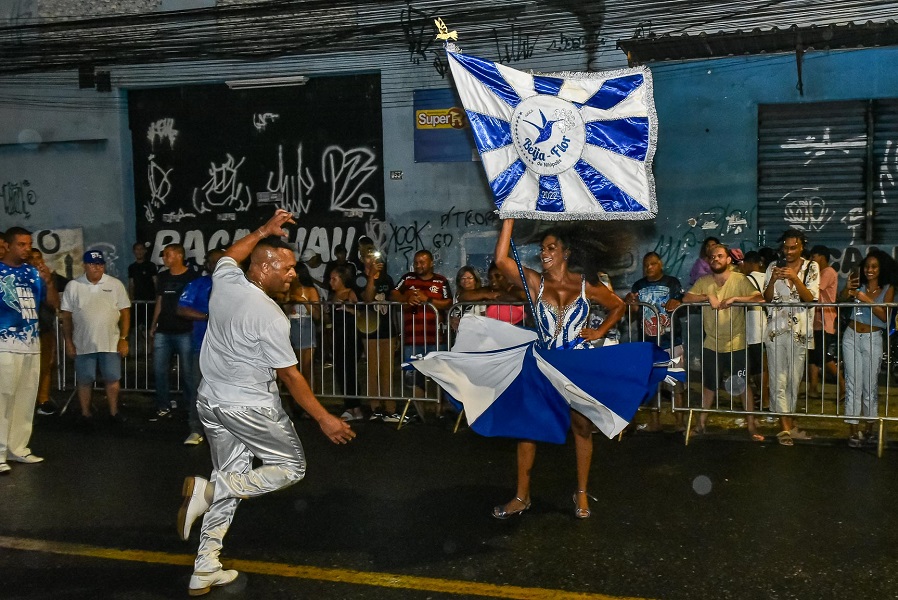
<point x="885" y="174"/>
<point x="812" y="162"/>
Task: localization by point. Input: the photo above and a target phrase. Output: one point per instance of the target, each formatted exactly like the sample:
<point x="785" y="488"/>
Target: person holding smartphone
<point x="871" y="287"/>
<point x="789" y="282"/>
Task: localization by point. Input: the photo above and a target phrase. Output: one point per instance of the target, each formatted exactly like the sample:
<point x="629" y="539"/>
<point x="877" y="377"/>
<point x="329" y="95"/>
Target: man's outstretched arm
<point x="337" y="430"/>
<point x="242" y="248"/>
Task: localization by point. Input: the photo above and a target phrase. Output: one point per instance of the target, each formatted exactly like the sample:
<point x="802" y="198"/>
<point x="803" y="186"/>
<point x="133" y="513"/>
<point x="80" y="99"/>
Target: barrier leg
<point x="408" y="403"/>
<point x="461" y="415"/>
<point x="688" y="427"/>
<point x="880" y="445"/>
<point x="65" y="406"/>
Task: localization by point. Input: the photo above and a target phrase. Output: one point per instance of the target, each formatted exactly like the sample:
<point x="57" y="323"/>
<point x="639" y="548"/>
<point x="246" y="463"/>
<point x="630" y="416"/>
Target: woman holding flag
<point x="567" y="147"/>
<point x="561" y="298"/>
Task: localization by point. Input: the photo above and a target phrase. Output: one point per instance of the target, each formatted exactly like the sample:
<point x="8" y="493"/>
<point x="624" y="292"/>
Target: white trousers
<point x="785" y="367"/>
<point x="236" y="434"/>
<point x="19" y="379"/>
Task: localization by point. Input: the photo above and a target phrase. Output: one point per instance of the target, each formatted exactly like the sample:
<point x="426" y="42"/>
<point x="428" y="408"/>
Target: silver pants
<point x="236" y="434"/>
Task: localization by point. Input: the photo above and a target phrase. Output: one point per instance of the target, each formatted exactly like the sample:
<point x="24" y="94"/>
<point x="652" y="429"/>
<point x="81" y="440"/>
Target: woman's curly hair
<point x="888" y="268"/>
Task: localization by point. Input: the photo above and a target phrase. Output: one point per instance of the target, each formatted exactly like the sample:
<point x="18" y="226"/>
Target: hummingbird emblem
<point x="544" y="129"/>
<point x="443" y="31"/>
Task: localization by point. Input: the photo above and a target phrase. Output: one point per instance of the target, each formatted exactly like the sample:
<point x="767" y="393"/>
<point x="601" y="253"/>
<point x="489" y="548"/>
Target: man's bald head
<point x="272" y="265"/>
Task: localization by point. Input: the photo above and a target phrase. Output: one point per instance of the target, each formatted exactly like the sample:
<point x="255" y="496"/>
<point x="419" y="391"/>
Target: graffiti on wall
<point x="18" y="198"/>
<point x="223" y="190"/>
<point x="732" y="225"/>
<point x="721" y="221"/>
<point x="345" y="172"/>
<point x="420" y="37"/>
<point x="161" y="131"/>
<point x="811" y="207"/>
<point x="804" y="209"/>
<point x="213" y="175"/>
<point x="159" y="183"/>
<point x="675" y="251"/>
<point x="566" y="42"/>
<point x="514" y="44"/>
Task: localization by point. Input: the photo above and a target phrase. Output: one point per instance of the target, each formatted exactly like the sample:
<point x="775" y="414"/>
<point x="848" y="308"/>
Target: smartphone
<point x="781" y="263"/>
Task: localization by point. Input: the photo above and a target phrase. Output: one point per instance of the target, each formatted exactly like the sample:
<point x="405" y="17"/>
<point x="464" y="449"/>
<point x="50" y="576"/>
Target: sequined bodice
<point x="561" y="326"/>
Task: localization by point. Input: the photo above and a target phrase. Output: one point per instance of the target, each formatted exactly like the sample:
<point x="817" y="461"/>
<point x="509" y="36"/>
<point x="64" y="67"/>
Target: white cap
<point x="307" y="255"/>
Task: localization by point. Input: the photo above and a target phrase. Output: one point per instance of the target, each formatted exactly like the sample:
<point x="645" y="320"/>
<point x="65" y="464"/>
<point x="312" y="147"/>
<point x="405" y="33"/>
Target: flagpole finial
<point x="443" y="31"/>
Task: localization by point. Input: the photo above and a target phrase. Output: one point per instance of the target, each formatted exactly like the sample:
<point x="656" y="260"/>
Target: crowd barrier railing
<point x="374" y="334"/>
<point x="772" y="377"/>
<point x="355" y="350"/>
<point x="345" y="350"/>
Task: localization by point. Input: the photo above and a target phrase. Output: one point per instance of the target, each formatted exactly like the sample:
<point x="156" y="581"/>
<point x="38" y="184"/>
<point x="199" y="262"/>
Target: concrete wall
<point x="706" y="165"/>
<point x="73" y="147"/>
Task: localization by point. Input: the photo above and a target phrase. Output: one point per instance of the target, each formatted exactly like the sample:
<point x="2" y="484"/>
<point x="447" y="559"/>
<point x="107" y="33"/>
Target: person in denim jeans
<point x="171" y="334"/>
<point x="194" y="306"/>
<point x="862" y="340"/>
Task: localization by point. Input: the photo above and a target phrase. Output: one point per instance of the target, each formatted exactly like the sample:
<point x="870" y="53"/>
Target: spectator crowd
<point x="760" y="336"/>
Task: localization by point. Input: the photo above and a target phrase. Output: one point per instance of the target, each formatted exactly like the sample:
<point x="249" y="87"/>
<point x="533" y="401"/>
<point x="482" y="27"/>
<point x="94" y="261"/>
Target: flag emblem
<point x="548" y="145"/>
<point x="562" y="146"/>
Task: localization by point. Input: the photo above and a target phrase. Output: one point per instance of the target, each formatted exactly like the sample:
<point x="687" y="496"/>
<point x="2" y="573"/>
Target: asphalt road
<point x="405" y="514"/>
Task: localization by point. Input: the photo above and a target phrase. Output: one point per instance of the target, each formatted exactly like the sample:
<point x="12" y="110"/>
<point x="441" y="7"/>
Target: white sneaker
<point x="194" y="439"/>
<point x="201" y="583"/>
<point x="4" y="468"/>
<point x="28" y="459"/>
<point x="193" y="506"/>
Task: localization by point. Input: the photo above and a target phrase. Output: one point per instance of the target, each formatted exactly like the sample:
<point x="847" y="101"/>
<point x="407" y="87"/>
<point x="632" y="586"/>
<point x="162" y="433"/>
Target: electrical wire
<point x="209" y="45"/>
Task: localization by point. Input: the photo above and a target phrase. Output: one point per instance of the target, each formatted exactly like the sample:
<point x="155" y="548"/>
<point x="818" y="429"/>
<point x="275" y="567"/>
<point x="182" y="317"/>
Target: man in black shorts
<point x="723" y="352"/>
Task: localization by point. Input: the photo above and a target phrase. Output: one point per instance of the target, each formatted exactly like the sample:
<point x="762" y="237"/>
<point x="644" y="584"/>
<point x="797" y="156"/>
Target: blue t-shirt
<point x="21" y="292"/>
<point x="196" y="296"/>
<point x="657" y="293"/>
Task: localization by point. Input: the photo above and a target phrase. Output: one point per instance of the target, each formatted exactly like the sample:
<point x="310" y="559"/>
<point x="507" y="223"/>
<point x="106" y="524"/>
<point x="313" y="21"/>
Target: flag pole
<point x="517" y="260"/>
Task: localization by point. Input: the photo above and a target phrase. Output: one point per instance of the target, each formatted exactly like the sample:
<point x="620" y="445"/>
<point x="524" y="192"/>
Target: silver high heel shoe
<point x="582" y="513"/>
<point x="500" y="513"/>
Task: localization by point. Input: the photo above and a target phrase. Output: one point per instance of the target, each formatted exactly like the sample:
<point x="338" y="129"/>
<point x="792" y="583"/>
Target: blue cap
<point x="94" y="257"/>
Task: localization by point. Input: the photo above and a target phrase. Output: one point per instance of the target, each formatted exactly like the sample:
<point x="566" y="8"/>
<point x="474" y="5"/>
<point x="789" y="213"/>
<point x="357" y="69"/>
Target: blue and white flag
<point x="562" y="146"/>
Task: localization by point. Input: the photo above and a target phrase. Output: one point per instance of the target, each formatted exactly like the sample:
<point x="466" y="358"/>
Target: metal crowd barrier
<point x="359" y="349"/>
<point x="734" y="383"/>
<point x="345" y="350"/>
<point x="354" y="351"/>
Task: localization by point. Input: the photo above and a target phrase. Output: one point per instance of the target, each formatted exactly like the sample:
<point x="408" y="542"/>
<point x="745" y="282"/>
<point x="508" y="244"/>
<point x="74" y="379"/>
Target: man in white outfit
<point x="247" y="342"/>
